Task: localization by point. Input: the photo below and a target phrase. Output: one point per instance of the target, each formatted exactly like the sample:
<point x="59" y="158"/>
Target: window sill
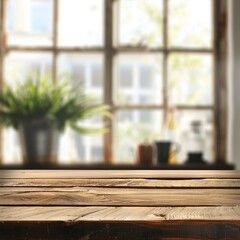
<point x="126" y="167"/>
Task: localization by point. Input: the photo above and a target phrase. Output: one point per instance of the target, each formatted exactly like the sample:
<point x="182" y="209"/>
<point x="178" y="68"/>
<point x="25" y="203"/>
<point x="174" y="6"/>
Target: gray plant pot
<point x="39" y="140"/>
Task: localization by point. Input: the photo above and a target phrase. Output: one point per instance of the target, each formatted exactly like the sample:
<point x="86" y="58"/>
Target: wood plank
<point x="113" y="190"/>
<point x="106" y="166"/>
<point x="130" y="183"/>
<point x="118" y="197"/>
<point x="118" y="214"/>
<point x="148" y="174"/>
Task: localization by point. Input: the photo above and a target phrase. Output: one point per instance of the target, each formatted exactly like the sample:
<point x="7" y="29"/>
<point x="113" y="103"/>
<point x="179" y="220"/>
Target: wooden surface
<point x="75" y="204"/>
<point x="103" y="166"/>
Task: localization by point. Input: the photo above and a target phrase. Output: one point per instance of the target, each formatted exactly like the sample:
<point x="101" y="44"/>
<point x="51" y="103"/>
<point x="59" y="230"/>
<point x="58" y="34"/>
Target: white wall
<point x="234" y="83"/>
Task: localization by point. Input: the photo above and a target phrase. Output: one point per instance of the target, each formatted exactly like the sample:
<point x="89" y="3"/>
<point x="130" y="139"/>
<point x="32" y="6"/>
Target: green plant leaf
<point x="58" y="101"/>
<point x="86" y="130"/>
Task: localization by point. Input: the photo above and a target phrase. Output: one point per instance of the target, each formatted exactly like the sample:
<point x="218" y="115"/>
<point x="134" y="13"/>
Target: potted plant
<point x="40" y="109"/>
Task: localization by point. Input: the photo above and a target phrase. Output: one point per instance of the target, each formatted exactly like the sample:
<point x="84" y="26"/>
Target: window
<point x="41" y="16"/>
<point x="139" y="56"/>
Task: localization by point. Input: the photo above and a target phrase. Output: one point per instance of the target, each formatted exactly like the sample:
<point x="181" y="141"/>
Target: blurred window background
<point x="162" y="55"/>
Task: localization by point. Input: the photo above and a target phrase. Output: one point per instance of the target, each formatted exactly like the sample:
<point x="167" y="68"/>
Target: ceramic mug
<point x="163" y="150"/>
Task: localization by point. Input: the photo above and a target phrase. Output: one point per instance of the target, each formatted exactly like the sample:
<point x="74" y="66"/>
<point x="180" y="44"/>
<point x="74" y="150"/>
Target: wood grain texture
<point x="101" y="174"/>
<point x="48" y="204"/>
<point x="78" y="196"/>
<point x="121" y="183"/>
<point x="118" y="214"/>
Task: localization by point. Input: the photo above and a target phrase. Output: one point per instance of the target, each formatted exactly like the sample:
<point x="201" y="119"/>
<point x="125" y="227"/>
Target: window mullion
<point x="165" y="56"/>
<point x="1" y="72"/>
<point x="55" y="37"/>
<point x="161" y="50"/>
<point x="108" y="73"/>
<point x="221" y="116"/>
<point x="3" y="10"/>
<point x="216" y="128"/>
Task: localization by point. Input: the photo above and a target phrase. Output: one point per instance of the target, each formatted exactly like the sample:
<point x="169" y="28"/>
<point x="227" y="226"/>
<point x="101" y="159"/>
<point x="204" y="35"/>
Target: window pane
<point x="138" y="79"/>
<point x="29" y="22"/>
<point x="79" y="148"/>
<point x="16" y="65"/>
<point x="19" y="63"/>
<point x="85" y="70"/>
<point x="191" y="79"/>
<point x="80" y="23"/>
<point x="134" y="127"/>
<point x="183" y="124"/>
<point x="141" y="22"/>
<point x="190" y="23"/>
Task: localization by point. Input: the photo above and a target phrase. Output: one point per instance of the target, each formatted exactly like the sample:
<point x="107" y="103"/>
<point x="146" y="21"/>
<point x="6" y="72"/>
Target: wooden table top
<point x="119" y="204"/>
<point x="119" y="196"/>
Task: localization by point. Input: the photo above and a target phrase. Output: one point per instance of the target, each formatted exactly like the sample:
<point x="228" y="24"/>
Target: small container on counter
<point x="145" y="154"/>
